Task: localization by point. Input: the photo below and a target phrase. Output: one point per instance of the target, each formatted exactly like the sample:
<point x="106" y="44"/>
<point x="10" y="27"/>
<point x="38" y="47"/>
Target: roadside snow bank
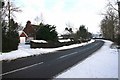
<point x="25" y="50"/>
<point x="64" y="40"/>
<point x="103" y="64"/>
<point x="39" y="41"/>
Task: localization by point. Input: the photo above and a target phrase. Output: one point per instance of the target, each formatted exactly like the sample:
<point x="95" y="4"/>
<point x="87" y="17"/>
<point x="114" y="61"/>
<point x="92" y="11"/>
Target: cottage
<point x="23" y="36"/>
<point x="28" y="33"/>
<point x="66" y="34"/>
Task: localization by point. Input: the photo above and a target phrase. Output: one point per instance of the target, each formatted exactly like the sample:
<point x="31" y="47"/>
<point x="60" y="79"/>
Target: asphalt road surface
<point x="48" y="65"/>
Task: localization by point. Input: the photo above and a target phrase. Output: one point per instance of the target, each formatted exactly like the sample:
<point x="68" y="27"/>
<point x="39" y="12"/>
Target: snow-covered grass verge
<point x="102" y="64"/>
<point x="39" y="41"/>
<point x="25" y="50"/>
<point x="64" y="40"/>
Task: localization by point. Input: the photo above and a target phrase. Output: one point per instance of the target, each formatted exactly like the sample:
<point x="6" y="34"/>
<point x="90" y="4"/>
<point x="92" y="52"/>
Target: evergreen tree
<point x="82" y="32"/>
<point x="47" y="32"/>
<point x="10" y="37"/>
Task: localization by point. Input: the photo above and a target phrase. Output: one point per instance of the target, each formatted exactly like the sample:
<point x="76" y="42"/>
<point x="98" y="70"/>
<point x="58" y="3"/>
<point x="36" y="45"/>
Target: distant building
<point x="28" y="33"/>
<point x="66" y="34"/>
<point x="98" y="35"/>
<point x="23" y="36"/>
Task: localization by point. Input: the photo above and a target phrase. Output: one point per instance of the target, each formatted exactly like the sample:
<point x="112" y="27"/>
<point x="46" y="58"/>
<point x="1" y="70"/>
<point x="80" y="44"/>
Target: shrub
<point x="47" y="33"/>
<point x="10" y="41"/>
<point x="118" y="39"/>
<point x="10" y="36"/>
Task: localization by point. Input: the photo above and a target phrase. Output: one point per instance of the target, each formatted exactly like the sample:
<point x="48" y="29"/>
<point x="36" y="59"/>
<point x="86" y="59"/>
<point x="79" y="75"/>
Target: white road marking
<point x="77" y="52"/>
<point x="41" y="63"/>
<point x="67" y="55"/>
<point x="21" y="69"/>
<point x="88" y="47"/>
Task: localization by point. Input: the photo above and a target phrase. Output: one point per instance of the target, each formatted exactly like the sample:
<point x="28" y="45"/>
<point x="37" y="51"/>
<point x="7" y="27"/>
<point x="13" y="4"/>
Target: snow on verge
<point x="64" y="40"/>
<point x="39" y="41"/>
<point x="25" y="50"/>
<point x="102" y="64"/>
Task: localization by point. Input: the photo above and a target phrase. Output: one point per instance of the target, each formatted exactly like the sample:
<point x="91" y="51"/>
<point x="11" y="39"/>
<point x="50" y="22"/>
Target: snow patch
<point x="25" y="50"/>
<point x="39" y="41"/>
<point x="103" y="64"/>
<point x="64" y="40"/>
<point x="66" y="32"/>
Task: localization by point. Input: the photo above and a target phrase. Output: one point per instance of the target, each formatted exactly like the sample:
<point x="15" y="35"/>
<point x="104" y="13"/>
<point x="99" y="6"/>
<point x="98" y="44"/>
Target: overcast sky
<point x="62" y="12"/>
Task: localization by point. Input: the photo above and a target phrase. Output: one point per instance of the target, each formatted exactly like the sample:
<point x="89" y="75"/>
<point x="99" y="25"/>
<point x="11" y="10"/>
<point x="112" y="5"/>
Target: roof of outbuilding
<point x="20" y="33"/>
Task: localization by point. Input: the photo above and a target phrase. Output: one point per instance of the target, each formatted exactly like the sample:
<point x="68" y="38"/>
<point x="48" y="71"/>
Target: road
<point x="48" y="65"/>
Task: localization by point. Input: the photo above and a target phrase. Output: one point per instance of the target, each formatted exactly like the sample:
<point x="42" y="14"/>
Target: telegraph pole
<point x="118" y="34"/>
<point x="2" y="3"/>
<point x="119" y="11"/>
<point x="9" y="13"/>
<point x="119" y="22"/>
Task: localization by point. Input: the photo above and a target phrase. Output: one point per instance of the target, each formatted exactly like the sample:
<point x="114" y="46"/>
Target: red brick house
<point x="29" y="32"/>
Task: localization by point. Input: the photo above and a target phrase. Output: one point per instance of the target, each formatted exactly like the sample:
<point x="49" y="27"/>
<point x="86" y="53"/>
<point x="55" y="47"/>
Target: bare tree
<point x="9" y="9"/>
<point x="69" y="27"/>
<point x="110" y="23"/>
<point x="37" y="20"/>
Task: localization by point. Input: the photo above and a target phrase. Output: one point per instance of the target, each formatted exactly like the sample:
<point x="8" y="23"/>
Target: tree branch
<point x="109" y="4"/>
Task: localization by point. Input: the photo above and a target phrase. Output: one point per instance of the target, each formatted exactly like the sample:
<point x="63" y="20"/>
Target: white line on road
<point x="41" y="63"/>
<point x="21" y="69"/>
<point x="34" y="65"/>
<point x="77" y="52"/>
<point x="67" y="55"/>
<point x="88" y="48"/>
